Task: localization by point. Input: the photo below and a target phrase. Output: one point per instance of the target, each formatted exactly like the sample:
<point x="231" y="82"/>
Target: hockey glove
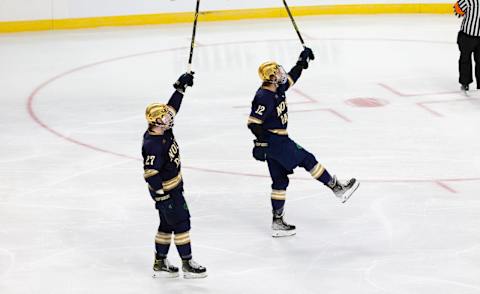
<point x="305" y="57"/>
<point x="184" y="81"/>
<point x="160" y="198"/>
<point x="259" y="150"/>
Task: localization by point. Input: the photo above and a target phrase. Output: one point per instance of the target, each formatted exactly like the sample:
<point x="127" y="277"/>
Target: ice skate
<point x="280" y="228"/>
<point x="163" y="269"/>
<point x="192" y="270"/>
<point x="343" y="191"/>
<point x="465" y="89"/>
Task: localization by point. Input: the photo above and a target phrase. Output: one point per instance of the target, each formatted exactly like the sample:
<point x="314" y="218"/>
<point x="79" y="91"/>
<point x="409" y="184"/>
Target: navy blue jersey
<point x="161" y="157"/>
<point x="270" y="110"/>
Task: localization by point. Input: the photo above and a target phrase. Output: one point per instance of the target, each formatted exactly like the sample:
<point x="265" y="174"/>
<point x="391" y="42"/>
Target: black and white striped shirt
<point x="471" y="18"/>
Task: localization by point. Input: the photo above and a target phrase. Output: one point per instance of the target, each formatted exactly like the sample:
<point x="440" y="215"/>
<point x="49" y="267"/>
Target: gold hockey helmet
<point x="272" y="72"/>
<point x="159" y="114"/>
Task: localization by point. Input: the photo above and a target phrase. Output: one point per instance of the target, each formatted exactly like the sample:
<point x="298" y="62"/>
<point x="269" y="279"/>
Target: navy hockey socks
<point x="162" y="244"/>
<point x="182" y="241"/>
<point x="278" y="200"/>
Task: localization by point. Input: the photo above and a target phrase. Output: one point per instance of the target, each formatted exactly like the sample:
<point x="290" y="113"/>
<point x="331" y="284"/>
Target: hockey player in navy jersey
<point x="268" y="122"/>
<point x="162" y="172"/>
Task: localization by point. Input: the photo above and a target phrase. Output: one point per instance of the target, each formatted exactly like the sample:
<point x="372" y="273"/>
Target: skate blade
<point x="195" y="275"/>
<point x="350" y="192"/>
<point x="165" y="275"/>
<point x="279" y="234"/>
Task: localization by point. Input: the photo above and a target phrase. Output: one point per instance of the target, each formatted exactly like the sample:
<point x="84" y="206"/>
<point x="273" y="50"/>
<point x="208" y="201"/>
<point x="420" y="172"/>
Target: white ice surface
<point x="75" y="215"/>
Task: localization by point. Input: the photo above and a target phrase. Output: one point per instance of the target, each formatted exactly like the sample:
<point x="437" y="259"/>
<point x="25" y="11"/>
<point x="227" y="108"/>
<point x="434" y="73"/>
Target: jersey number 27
<point x="150" y="159"/>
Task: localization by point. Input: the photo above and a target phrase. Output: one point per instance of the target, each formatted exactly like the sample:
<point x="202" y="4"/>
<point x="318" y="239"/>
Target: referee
<point x="468" y="41"/>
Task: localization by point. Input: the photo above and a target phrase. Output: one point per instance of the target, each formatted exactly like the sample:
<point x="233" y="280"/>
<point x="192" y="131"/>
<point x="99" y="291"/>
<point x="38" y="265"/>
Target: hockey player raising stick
<point x="162" y="172"/>
<point x="268" y="122"/>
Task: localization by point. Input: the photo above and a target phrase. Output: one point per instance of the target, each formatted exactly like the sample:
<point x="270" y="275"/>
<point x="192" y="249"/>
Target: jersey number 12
<point x="260" y="110"/>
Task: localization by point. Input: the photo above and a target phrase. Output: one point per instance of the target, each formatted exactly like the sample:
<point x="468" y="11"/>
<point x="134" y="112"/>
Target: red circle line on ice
<point x="41" y="123"/>
<point x="366" y="102"/>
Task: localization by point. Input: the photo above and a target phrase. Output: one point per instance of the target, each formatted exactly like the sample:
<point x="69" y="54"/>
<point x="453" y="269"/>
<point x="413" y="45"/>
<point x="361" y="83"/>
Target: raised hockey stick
<point x="294" y="23"/>
<point x="192" y="44"/>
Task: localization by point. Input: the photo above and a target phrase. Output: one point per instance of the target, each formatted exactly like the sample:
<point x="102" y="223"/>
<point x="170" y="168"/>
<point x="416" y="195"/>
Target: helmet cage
<point x="165" y="121"/>
<point x="273" y="73"/>
<point x="160" y="115"/>
<point x="281" y="77"/>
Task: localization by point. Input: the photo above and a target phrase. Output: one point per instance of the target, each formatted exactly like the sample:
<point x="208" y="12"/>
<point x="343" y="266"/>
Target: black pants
<point x="467" y="45"/>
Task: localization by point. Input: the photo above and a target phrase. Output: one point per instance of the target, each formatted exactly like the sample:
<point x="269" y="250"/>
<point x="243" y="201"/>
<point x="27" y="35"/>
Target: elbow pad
<point x="257" y="130"/>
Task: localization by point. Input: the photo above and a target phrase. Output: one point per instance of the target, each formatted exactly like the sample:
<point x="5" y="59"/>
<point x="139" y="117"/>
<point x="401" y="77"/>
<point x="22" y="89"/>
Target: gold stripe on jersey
<point x="163" y="238"/>
<point x="291" y="82"/>
<point x="317" y="171"/>
<point x="182" y="239"/>
<point x="282" y="132"/>
<point x="254" y="120"/>
<point x="172" y="183"/>
<point x="149" y="173"/>
<point x="279" y="194"/>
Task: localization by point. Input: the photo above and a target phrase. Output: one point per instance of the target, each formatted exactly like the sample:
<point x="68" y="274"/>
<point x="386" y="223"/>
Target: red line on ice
<point x="398" y="93"/>
<point x="420" y="104"/>
<point x="424" y="106"/>
<point x="445" y="186"/>
<point x="330" y="110"/>
<point x="36" y="119"/>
